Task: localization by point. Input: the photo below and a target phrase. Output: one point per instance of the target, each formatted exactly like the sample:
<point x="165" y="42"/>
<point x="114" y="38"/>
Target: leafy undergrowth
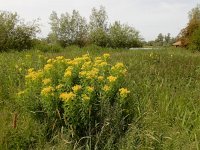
<point x="164" y="103"/>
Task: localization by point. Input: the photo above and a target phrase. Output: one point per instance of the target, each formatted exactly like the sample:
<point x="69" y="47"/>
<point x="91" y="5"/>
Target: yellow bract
<point x="67" y="96"/>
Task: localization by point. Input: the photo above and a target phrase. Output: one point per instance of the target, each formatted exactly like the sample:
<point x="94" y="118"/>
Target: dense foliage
<point x="186" y="35"/>
<point x="84" y="96"/>
<point x="162" y="40"/>
<point x="14" y="33"/>
<point x="74" y="30"/>
<point x="195" y="40"/>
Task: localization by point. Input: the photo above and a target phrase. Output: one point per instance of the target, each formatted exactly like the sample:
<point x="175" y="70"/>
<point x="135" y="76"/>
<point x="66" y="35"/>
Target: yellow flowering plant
<point x="81" y="93"/>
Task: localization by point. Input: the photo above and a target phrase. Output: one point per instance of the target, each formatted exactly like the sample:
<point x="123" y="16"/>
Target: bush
<point x="195" y="41"/>
<point x="14" y="33"/>
<point x="123" y="36"/>
<point x="45" y="47"/>
<point x="99" y="37"/>
<point x="85" y="96"/>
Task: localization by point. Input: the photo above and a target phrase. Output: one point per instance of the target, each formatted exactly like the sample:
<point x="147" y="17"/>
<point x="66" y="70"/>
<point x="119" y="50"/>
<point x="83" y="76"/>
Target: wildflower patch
<point x="82" y="93"/>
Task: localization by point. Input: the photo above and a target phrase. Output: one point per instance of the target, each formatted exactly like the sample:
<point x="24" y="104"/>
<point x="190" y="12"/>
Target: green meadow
<point x="164" y="89"/>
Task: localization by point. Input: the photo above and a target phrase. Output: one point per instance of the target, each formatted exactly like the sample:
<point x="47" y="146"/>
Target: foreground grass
<point x="164" y="84"/>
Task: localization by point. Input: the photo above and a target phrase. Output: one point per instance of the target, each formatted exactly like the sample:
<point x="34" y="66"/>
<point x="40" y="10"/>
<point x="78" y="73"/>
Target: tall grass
<point x="164" y="84"/>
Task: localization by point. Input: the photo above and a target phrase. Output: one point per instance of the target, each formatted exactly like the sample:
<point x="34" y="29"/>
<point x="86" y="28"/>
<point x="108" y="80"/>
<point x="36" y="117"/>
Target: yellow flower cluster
<point x="76" y="88"/>
<point x="59" y="86"/>
<point x="106" y="88"/>
<point x="124" y="92"/>
<point x="68" y="72"/>
<point x="91" y="74"/>
<point x="90" y="89"/>
<point x="60" y="57"/>
<point x="85" y="97"/>
<point x="33" y="75"/>
<point x="86" y="65"/>
<point x="112" y="79"/>
<point x="30" y="70"/>
<point x="119" y="68"/>
<point x="47" y="91"/>
<point x="67" y="96"/>
<point x="48" y="67"/>
<point x="106" y="56"/>
<point x="100" y="78"/>
<point x="49" y="61"/>
<point x="46" y="81"/>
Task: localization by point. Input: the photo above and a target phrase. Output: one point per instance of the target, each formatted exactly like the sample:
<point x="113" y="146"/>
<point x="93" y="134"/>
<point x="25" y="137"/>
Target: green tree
<point x="159" y="40"/>
<point x="194" y="14"/>
<point x="68" y="29"/>
<point x="193" y="24"/>
<point x="167" y="39"/>
<point x="195" y="40"/>
<point x="122" y="35"/>
<point x="14" y="33"/>
<point x="79" y="29"/>
<point x="98" y="30"/>
<point x="53" y="37"/>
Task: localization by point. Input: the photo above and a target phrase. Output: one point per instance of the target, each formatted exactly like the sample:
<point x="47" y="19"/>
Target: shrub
<point x="195" y="41"/>
<point x="45" y="47"/>
<point x="83" y="95"/>
<point x="14" y="33"/>
<point x="68" y="29"/>
<point x="123" y="36"/>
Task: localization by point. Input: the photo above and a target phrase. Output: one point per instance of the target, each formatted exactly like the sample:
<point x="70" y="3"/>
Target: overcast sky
<point x="150" y="17"/>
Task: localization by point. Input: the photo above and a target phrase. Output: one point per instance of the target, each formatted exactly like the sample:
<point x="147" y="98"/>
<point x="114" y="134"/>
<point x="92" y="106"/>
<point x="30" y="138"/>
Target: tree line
<point x="73" y="29"/>
<point x="162" y="40"/>
<point x="67" y="29"/>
